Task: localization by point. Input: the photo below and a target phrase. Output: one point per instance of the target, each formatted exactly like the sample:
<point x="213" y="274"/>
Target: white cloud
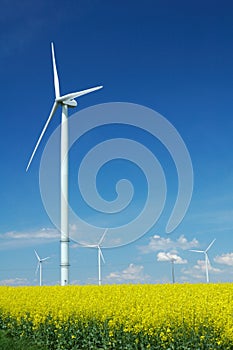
<point x="160" y="243"/>
<point x="226" y="259"/>
<point x="190" y="274"/>
<point x="162" y="256"/>
<point x="15" y="282"/>
<point x="198" y="271"/>
<point x="200" y="266"/>
<point x="45" y="233"/>
<point x="14" y="239"/>
<point x="133" y="273"/>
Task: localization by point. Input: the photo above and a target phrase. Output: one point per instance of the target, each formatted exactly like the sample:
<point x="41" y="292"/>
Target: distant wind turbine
<point x="39" y="265"/>
<point x="173" y="259"/>
<point x="100" y="255"/>
<point x="65" y="101"/>
<point x="207" y="262"/>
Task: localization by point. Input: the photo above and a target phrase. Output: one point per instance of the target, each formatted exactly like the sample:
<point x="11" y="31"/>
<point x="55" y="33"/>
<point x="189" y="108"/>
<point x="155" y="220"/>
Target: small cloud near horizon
<point x="157" y="243"/>
<point x="133" y="273"/>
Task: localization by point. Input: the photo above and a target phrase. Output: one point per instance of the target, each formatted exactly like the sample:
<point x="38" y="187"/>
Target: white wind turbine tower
<point x="65" y="101"/>
<point x="100" y="255"/>
<point x="172" y="260"/>
<point x="207" y="262"/>
<point x="39" y="265"/>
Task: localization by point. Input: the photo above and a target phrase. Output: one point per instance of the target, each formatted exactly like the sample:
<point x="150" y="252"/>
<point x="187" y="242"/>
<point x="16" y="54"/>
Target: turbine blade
<point x="78" y="94"/>
<point x="207" y="258"/>
<point x="37" y="255"/>
<point x="102" y="238"/>
<point x="55" y="75"/>
<point x="210" y="245"/>
<point x="101" y="255"/>
<point x="89" y="245"/>
<point x="55" y="105"/>
<point x="196" y="251"/>
<point x="37" y="268"/>
<point x="48" y="257"/>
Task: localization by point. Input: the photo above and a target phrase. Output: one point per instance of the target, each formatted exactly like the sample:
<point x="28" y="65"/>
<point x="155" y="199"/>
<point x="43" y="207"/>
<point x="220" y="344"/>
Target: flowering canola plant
<point x="121" y="316"/>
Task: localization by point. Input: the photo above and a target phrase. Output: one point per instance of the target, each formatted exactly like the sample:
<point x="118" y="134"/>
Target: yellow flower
<point x="151" y="309"/>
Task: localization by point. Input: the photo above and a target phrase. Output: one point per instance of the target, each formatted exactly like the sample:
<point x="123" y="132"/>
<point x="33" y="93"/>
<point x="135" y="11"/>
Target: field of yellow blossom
<point x="179" y="316"/>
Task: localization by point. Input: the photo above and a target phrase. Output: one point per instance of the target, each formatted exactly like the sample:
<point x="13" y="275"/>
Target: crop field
<point x="179" y="316"/>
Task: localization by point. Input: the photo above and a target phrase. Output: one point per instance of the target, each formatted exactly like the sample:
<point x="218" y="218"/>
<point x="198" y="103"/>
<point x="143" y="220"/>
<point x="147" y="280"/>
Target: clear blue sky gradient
<point x="174" y="57"/>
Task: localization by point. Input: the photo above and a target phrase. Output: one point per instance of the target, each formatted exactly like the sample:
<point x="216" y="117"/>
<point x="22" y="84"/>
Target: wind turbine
<point x="172" y="260"/>
<point x="65" y="101"/>
<point x="206" y="258"/>
<point x="39" y="265"/>
<point x="100" y="255"/>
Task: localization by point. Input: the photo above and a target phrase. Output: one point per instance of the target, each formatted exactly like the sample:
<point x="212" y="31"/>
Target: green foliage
<point x="142" y="317"/>
<point x="94" y="335"/>
<point x="7" y="342"/>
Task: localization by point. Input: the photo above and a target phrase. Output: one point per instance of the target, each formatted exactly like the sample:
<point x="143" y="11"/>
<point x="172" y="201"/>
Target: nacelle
<point x="70" y="103"/>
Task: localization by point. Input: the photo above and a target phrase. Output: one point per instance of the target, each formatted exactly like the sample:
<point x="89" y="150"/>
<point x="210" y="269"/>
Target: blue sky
<point x="175" y="58"/>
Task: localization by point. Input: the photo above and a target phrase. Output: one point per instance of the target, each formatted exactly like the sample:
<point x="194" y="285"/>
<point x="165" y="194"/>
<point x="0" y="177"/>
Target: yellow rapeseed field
<point x="152" y="310"/>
